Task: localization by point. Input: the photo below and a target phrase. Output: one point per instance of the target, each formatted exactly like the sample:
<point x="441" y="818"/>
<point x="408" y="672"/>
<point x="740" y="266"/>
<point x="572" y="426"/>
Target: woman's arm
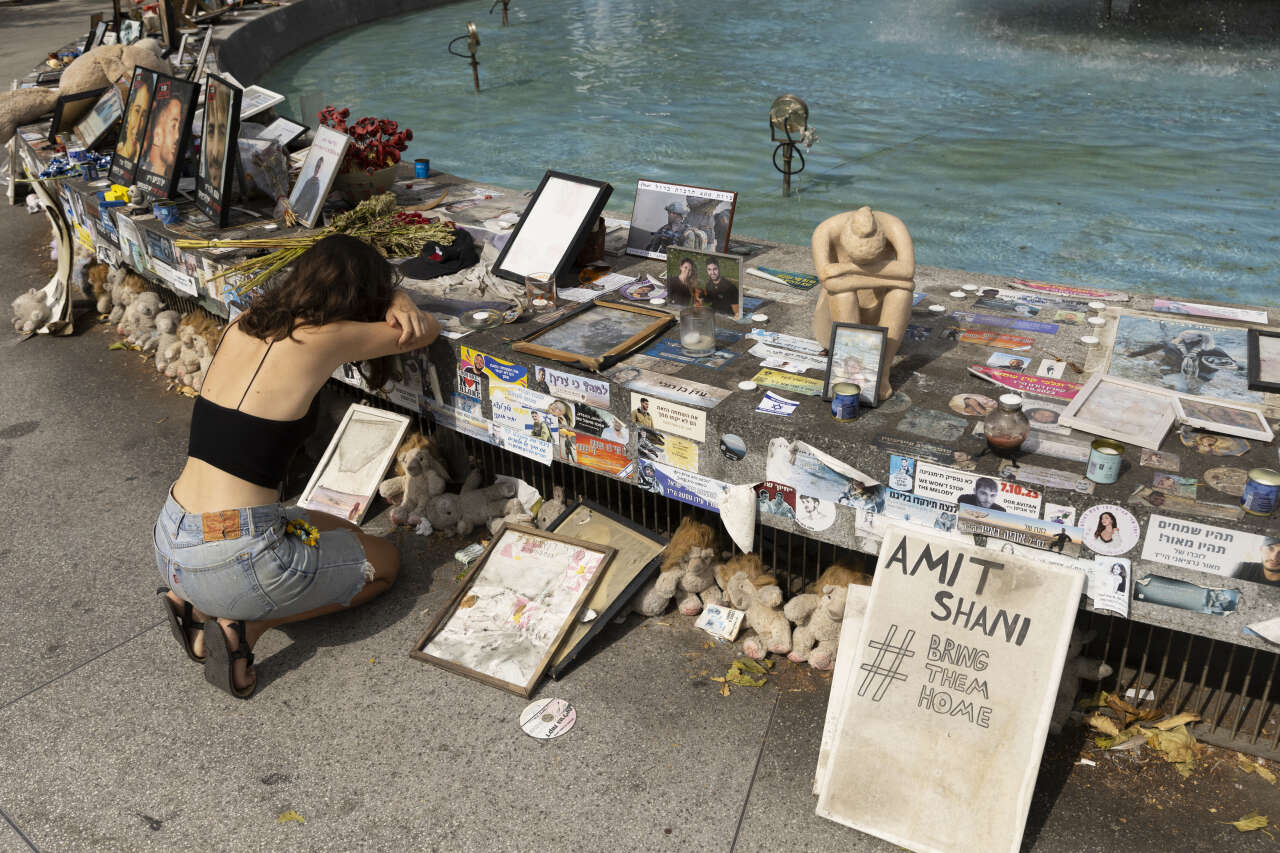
<point x="348" y="340"/>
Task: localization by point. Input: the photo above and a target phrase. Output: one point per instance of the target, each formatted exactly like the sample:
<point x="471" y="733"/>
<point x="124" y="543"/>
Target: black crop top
<point x="247" y="446"/>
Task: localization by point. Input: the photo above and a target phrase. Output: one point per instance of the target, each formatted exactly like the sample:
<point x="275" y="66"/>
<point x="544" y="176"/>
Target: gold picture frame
<point x="607" y="331"/>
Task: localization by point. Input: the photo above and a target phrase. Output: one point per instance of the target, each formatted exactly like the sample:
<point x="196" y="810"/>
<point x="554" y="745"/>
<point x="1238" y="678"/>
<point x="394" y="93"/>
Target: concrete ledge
<point x="256" y="40"/>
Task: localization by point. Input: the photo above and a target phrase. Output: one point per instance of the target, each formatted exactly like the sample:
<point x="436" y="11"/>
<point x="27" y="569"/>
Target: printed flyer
<point x="998" y="340"/>
<point x="1040" y="386"/>
<point x="1006" y="322"/>
<point x="496" y="369"/>
<point x="668" y="417"/>
<point x="523" y="444"/>
<point x="791" y="382"/>
<point x="568" y="386"/>
<point x="1070" y="291"/>
<point x="600" y="454"/>
<point x="684" y="391"/>
<point x="670" y="449"/>
<point x="955" y="486"/>
<point x="683" y="486"/>
<point x="1190" y="545"/>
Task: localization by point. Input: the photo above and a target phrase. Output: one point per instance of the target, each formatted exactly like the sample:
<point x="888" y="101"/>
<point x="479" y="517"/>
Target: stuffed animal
<point x="770" y="630"/>
<point x="419" y="477"/>
<point x="101" y="67"/>
<point x="139" y="321"/>
<point x="166" y="337"/>
<point x="552" y="509"/>
<point x="473" y="506"/>
<point x="818" y="615"/>
<point x="30" y="311"/>
<point x="1074" y="670"/>
<point x="122" y="296"/>
<point x="206" y="343"/>
<point x="98" y="276"/>
<point x="688" y="564"/>
<point x="81" y="264"/>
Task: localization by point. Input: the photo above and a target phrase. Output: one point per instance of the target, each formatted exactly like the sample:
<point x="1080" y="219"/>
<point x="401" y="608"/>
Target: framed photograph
<point x="597" y="335"/>
<point x="130" y="31"/>
<point x="317" y="174"/>
<point x="856" y="354"/>
<point x="283" y="130"/>
<point x="667" y="216"/>
<point x="197" y="67"/>
<point x="180" y="57"/>
<point x="137" y="112"/>
<point x="217" y="138"/>
<point x="1226" y="418"/>
<point x="346" y="479"/>
<point x="563" y="210"/>
<point x="69" y="109"/>
<point x="105" y="113"/>
<point x="1264" y="360"/>
<point x="515" y="607"/>
<point x="1171" y="352"/>
<point x="705" y="278"/>
<point x="1126" y="411"/>
<point x="168" y="135"/>
<point x="97" y="29"/>
<point x="257" y="99"/>
<point x="639" y="554"/>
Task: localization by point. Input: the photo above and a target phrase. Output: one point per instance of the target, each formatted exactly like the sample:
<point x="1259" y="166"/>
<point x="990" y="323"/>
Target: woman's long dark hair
<point x="1114" y="524"/>
<point x="339" y="278"/>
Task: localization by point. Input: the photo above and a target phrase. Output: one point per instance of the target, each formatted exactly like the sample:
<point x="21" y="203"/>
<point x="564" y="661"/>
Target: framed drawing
<point x="705" y="278"/>
<point x="515" y="607"/>
<point x="856" y="354"/>
<point x="1171" y="352"/>
<point x="667" y="216"/>
<point x="1264" y="360"/>
<point x="69" y="109"/>
<point x="317" y="174"/>
<point x="1226" y="418"/>
<point x="217" y="166"/>
<point x="597" y="335"/>
<point x="563" y="210"/>
<point x="105" y="113"/>
<point x="1126" y="411"/>
<point x="137" y="112"/>
<point x="168" y="135"/>
<point x="639" y="555"/>
<point x="346" y="479"/>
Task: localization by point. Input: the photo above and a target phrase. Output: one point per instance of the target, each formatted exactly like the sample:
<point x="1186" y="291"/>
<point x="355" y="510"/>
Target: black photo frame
<point x="218" y="148"/>
<point x="101" y="118"/>
<point x="870" y="384"/>
<point x="283" y="130"/>
<point x="197" y="67"/>
<point x="168" y="136"/>
<point x="69" y="109"/>
<point x="133" y="130"/>
<point x="97" y="29"/>
<point x="168" y="25"/>
<point x="1260" y="379"/>
<point x="560" y="214"/>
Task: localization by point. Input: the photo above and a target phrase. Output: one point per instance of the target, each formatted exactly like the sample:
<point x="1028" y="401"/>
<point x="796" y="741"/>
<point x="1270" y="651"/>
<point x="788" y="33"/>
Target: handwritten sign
<point x="951" y="687"/>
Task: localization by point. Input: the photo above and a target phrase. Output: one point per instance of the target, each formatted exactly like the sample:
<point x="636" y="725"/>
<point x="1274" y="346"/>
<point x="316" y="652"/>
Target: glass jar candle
<point x="698" y="331"/>
<point x="1007" y="425"/>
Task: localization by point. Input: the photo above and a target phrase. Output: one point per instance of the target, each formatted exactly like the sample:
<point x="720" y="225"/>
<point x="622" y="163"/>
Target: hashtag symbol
<point x="887" y="674"/>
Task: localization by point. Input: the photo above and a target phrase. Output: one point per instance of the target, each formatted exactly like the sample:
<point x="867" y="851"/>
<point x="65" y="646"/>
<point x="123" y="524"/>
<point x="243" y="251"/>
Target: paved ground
<point x="111" y="740"/>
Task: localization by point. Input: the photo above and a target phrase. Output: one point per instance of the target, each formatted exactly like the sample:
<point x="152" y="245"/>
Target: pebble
<point x="747" y="385"/>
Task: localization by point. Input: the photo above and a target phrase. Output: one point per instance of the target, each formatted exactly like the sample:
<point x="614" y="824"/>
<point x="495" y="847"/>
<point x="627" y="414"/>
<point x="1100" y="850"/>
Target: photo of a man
<point x="1267" y="568"/>
<point x="305" y="201"/>
<point x="642" y="416"/>
<point x="983" y="495"/>
<point x="721" y="292"/>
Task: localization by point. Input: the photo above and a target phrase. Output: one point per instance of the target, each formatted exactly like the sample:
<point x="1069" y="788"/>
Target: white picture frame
<point x="1127" y="411"/>
<point x="257" y="99"/>
<point x="1236" y="419"/>
<point x="315" y="178"/>
<point x="346" y="478"/>
<point x="667" y="215"/>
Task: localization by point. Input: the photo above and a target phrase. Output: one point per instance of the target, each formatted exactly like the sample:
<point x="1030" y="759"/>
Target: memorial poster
<point x="954" y="486"/>
<point x="953" y="682"/>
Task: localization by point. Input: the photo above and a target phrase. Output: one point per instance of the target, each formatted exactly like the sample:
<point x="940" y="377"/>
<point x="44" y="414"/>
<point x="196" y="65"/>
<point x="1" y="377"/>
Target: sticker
<point x="545" y="719"/>
<point x="924" y="512"/>
<point x="787" y="360"/>
<point x="568" y="386"/>
<point x="1019" y="529"/>
<point x="669" y="388"/>
<point x="933" y="424"/>
<point x="1160" y="460"/>
<point x="670" y="349"/>
<point x="732" y="447"/>
<point x="668" y="417"/>
<point x="925" y="450"/>
<point x="470" y="385"/>
<point x="1210" y="444"/>
<point x="972" y="405"/>
<point x="1058" y="389"/>
<point x="790" y="382"/>
<point x="1060" y="513"/>
<point x="518" y="409"/>
<point x="523" y="444"/>
<point x="1109" y="529"/>
<point x="1004" y="359"/>
<point x="1006" y="322"/>
<point x="776" y="499"/>
<point x="1184" y="595"/>
<point x="1045" y="416"/>
<point x="476" y="362"/>
<point x="1229" y="481"/>
<point x="683" y="486"/>
<point x="773" y="404"/>
<point x="1069" y="290"/>
<point x="642" y="290"/>
<point x="950" y="484"/>
<point x="1051" y="369"/>
<point x="598" y="422"/>
<point x="998" y="340"/>
<point x="815" y="513"/>
<point x="1108" y="585"/>
<point x="811" y="472"/>
<point x="1172" y="484"/>
<point x="462" y="421"/>
<point x="1149" y="497"/>
<point x="790" y="342"/>
<point x="598" y="454"/>
<point x="670" y="449"/>
<point x="1191" y="545"/>
<point x="902" y="473"/>
<point x="1050" y="478"/>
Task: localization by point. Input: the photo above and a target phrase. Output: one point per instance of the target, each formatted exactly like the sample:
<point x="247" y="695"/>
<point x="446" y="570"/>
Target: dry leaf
<point x="1178" y="747"/>
<point x="1181" y="719"/>
<point x="1250" y="822"/>
<point x="724" y="691"/>
<point x="1104" y="724"/>
<point x="749" y="665"/>
<point x="1250" y="767"/>
<point x="293" y="817"/>
<point x="1120" y="706"/>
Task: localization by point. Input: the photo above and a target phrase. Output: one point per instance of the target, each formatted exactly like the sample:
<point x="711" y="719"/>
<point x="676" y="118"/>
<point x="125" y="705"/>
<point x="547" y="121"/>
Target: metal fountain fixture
<point x="473" y="41"/>
<point x="789" y="127"/>
<point x="505" y="4"/>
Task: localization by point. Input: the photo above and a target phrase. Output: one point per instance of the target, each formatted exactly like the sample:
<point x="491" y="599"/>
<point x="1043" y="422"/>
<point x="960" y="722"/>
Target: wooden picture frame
<point x="219" y="150"/>
<point x="168" y="25"/>
<point x="70" y="109"/>
<point x="838" y="369"/>
<point x="1239" y="419"/>
<point x="494" y="598"/>
<point x="636" y="562"/>
<point x="1126" y="411"/>
<point x="632" y="328"/>
<point x="560" y="214"/>
<point x="378" y="439"/>
<point x="1264" y="360"/>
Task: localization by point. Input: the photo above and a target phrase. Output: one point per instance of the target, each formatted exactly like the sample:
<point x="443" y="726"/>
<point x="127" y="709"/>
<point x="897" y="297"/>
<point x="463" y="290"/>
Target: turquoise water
<point x="1021" y="139"/>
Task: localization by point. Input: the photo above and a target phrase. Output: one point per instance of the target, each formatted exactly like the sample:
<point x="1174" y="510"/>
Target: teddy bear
<point x="186" y="340"/>
<point x="473" y="506"/>
<point x="82" y="263"/>
<point x="122" y="295"/>
<point x="204" y="346"/>
<point x="30" y="311"/>
<point x="762" y="600"/>
<point x="818" y="615"/>
<point x="98" y="276"/>
<point x="1074" y="670"/>
<point x="688" y="564"/>
<point x="139" y="321"/>
<point x="419" y="477"/>
<point x="101" y="67"/>
<point x="552" y="509"/>
<point x="166" y="336"/>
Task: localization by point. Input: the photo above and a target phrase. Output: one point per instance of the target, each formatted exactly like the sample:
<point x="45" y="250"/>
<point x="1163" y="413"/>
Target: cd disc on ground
<point x="547" y="718"/>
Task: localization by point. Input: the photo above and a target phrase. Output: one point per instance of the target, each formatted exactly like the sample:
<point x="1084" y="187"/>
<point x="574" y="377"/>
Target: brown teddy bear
<point x="688" y="564"/>
<point x="419" y="477"/>
<point x="101" y="67"/>
<point x="818" y="615"/>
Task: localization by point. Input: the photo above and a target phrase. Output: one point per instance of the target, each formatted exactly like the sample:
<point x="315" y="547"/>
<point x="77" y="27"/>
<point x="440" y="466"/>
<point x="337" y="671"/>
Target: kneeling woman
<point x="235" y="561"/>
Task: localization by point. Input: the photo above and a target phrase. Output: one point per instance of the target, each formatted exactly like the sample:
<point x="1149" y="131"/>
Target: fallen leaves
<point x="740" y="672"/>
<point x="1169" y="736"/>
<point x="1249" y="766"/>
<point x="1249" y="822"/>
<point x="293" y="817"/>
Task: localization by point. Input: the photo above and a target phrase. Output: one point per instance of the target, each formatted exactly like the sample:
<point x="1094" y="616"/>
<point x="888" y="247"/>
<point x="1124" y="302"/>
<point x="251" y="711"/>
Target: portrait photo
<point x="856" y="355"/>
<point x="667" y="216"/>
<point x="1264" y="360"/>
<point x="137" y="111"/>
<point x="317" y="174"/>
<point x="221" y="123"/>
<point x="705" y="278"/>
<point x="168" y="134"/>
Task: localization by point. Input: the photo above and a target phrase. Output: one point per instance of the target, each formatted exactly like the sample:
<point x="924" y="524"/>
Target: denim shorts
<point x="240" y="563"/>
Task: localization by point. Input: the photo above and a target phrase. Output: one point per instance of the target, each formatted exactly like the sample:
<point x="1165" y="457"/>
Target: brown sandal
<point x="220" y="659"/>
<point x="182" y="623"/>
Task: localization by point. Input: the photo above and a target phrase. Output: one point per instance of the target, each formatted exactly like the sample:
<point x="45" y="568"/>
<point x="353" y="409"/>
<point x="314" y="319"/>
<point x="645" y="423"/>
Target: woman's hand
<point x="417" y="328"/>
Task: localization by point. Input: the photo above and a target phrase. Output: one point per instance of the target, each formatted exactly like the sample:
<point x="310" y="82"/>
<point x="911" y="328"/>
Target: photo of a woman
<point x="1106" y="529"/>
<point x="684" y="289"/>
<point x="1109" y="529"/>
<point x="1120" y="576"/>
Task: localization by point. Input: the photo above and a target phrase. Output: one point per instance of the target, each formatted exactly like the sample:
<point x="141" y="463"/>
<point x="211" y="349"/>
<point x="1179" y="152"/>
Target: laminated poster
<point x="1069" y="290"/>
<point x="461" y="421"/>
<point x="1006" y="322"/>
<point x="963" y="487"/>
<point x="789" y="382"/>
<point x="684" y="391"/>
<point x="598" y="454"/>
<point x="683" y="486"/>
<point x="1203" y="547"/>
<point x="816" y="474"/>
<point x="668" y="417"/>
<point x="1040" y="386"/>
<point x="569" y="386"/>
<point x="668" y="449"/>
<point x="1220" y="312"/>
<point x="906" y="508"/>
<point x="1020" y="529"/>
<point x="998" y="340"/>
<point x="478" y="363"/>
<point x="523" y="444"/>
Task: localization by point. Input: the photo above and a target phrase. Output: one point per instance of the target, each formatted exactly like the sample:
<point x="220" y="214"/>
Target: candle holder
<point x="698" y="331"/>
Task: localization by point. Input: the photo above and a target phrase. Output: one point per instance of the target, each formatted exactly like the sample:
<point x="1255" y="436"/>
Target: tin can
<point x="1261" y="492"/>
<point x="1104" y="460"/>
<point x="90" y="171"/>
<point x="844" y="400"/>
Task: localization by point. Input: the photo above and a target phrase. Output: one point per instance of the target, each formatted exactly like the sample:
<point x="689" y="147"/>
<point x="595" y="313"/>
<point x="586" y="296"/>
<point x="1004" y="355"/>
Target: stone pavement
<point x="111" y="740"/>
